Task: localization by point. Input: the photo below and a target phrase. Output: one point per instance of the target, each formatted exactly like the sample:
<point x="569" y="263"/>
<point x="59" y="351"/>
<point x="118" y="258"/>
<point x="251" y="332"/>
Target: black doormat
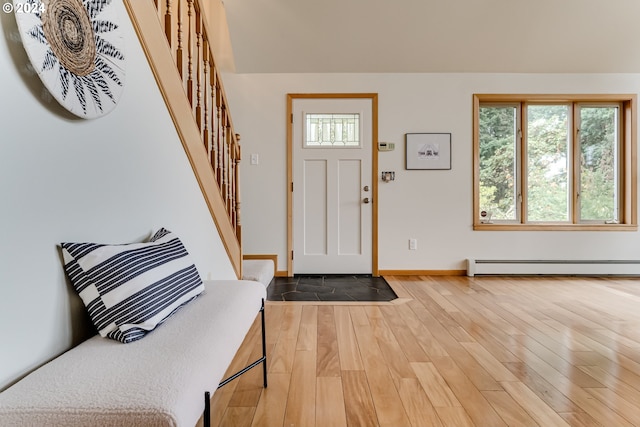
<point x="331" y="287"/>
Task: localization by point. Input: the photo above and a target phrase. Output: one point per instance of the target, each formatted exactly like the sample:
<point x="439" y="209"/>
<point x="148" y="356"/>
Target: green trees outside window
<point x="498" y="157"/>
<point x="599" y="163"/>
<point x="548" y="168"/>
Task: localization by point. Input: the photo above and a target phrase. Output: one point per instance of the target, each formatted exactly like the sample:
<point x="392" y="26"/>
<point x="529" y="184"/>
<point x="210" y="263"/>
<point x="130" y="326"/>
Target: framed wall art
<point x="428" y="151"/>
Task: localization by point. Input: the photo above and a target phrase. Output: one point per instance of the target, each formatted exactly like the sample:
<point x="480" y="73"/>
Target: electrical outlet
<point x="254" y="159"/>
<point x="413" y="244"/>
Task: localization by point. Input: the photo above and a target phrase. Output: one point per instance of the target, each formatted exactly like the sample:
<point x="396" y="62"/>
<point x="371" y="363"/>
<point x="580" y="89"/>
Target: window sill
<point x="554" y="227"/>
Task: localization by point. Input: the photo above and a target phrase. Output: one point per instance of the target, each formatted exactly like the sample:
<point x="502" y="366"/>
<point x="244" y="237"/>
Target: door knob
<point x="366" y="200"/>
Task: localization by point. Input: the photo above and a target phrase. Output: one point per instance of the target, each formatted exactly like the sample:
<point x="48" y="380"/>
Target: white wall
<point x="113" y="180"/>
<point x="434" y="207"/>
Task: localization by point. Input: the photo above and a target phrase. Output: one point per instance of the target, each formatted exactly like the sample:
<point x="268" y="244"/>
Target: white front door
<point x="332" y="189"/>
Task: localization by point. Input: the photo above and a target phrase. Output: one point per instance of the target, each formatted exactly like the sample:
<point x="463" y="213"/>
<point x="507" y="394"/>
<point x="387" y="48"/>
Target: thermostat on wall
<point x="386" y="146"/>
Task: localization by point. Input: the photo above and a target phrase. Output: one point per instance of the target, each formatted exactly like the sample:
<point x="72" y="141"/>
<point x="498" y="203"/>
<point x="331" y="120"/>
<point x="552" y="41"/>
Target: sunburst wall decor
<point x="76" y="47"/>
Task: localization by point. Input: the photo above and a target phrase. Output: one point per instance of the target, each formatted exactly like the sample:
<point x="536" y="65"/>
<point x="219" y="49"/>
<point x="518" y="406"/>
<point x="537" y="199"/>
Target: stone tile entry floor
<point x="332" y="287"/>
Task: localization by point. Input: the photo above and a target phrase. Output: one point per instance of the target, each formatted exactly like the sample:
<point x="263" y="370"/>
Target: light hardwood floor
<point x="453" y="351"/>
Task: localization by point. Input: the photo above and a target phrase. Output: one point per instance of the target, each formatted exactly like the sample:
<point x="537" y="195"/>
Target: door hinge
<point x="292" y="255"/>
<point x="292" y="186"/>
<point x="291" y="117"/>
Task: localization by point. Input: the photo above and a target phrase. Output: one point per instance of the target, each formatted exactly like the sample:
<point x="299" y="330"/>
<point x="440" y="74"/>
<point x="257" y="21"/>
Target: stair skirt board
<point x="565" y="267"/>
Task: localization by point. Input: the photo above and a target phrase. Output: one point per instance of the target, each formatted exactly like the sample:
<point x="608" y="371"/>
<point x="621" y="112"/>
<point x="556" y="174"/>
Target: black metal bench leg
<point x="206" y="421"/>
<point x="264" y="347"/>
<point x="263" y="360"/>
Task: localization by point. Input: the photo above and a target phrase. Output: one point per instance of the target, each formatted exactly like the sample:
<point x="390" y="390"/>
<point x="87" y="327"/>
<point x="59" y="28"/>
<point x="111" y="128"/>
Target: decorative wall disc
<point x="76" y="47"/>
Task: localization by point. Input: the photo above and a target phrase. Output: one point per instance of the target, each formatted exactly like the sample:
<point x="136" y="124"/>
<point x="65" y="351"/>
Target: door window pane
<point x="548" y="163"/>
<point x="498" y="150"/>
<point x="332" y="130"/>
<point x="598" y="163"/>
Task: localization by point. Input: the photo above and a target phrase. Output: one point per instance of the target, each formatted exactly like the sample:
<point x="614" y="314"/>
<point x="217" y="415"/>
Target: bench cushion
<point x="157" y="381"/>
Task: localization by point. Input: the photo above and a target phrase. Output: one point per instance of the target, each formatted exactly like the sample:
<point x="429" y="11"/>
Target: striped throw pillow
<point x="130" y="289"/>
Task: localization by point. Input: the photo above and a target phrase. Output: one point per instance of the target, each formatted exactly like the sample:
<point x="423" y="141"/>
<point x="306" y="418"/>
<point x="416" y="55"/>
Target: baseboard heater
<point x="563" y="267"/>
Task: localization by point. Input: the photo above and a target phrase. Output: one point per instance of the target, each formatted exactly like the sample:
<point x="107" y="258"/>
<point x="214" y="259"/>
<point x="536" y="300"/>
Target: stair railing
<point x="185" y="29"/>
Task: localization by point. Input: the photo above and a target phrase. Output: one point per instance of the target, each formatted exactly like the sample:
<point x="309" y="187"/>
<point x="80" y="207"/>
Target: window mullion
<point x="624" y="147"/>
<point x="575" y="164"/>
<point x="522" y="159"/>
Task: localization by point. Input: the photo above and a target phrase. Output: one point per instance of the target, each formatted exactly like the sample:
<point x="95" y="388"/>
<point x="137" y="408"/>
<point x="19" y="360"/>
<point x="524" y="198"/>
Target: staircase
<point x="173" y="34"/>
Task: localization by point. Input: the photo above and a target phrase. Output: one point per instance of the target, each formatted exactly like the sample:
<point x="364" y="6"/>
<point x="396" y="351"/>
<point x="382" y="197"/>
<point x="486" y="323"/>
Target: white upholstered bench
<point x="163" y="379"/>
<point x="259" y="270"/>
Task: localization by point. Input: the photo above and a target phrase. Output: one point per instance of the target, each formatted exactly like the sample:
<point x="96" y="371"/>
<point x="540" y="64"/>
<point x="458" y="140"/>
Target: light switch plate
<point x="413" y="244"/>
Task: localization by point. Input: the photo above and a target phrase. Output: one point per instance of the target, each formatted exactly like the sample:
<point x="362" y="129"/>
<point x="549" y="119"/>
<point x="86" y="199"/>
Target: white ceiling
<point x="395" y="36"/>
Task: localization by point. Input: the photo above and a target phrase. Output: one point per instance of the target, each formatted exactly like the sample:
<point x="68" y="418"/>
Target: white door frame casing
<point x="374" y="170"/>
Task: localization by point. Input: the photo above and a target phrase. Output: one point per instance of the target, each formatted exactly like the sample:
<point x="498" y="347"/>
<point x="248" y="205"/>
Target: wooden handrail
<point x="188" y="48"/>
